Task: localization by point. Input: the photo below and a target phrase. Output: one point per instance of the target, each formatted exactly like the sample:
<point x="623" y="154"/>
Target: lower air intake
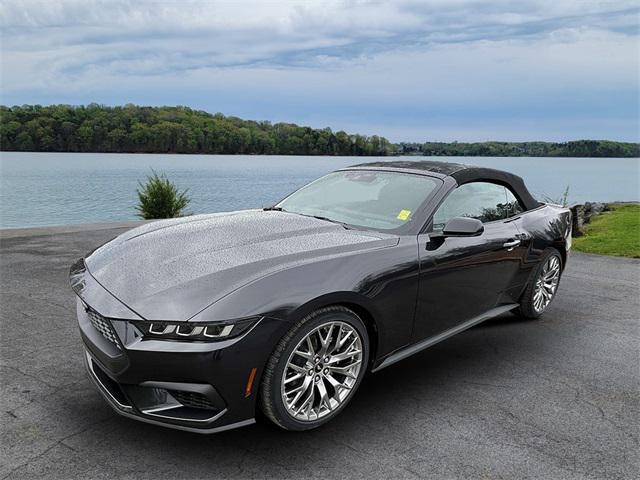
<point x="192" y="399"/>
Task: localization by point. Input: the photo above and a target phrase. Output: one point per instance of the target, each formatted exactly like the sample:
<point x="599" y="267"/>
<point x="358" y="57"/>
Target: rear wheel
<point x="543" y="286"/>
<point x="315" y="369"/>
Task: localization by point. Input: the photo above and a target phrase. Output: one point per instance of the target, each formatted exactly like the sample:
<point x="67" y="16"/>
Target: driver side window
<point x="481" y="200"/>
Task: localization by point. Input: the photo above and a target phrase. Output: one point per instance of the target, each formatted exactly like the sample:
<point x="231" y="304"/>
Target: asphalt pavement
<point x="554" y="398"/>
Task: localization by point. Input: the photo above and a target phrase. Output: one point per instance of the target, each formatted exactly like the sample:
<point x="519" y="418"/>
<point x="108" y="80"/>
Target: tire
<point x="314" y="406"/>
<point x="530" y="305"/>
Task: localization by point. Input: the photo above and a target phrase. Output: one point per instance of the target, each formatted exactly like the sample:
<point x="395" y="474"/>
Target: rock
<point x="594" y="208"/>
<point x="577" y="219"/>
<point x="582" y="214"/>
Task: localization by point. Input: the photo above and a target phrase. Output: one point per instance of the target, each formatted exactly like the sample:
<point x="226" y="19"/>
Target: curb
<point x="44" y="231"/>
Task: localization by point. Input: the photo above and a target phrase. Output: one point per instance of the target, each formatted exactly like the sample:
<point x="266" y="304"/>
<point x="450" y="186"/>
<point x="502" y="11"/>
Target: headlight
<point x="76" y="276"/>
<point x="192" y="331"/>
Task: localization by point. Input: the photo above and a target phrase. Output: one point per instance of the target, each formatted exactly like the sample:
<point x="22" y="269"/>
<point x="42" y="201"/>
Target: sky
<point x="431" y="70"/>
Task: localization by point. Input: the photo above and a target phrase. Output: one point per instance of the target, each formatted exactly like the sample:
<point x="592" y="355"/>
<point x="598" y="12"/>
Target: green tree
<point x="132" y="128"/>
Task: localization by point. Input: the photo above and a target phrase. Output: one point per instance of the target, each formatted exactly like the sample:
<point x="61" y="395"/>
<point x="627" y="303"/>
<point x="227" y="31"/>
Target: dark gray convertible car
<point x="200" y="322"/>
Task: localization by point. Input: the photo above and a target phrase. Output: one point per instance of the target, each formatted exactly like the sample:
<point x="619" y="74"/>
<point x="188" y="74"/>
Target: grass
<point x="616" y="232"/>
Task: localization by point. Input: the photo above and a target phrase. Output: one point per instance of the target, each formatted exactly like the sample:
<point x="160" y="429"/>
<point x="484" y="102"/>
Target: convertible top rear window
<point x="366" y="198"/>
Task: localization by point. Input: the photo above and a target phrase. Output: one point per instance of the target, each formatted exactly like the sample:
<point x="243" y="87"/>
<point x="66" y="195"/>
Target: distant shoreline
<point x="180" y="130"/>
<point x="267" y="155"/>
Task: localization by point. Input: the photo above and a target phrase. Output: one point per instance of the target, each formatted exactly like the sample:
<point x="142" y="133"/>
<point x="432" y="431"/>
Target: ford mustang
<point x="200" y="323"/>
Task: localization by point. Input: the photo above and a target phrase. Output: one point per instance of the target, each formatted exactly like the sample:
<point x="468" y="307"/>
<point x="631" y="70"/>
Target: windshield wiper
<point x="319" y="217"/>
<point x="322" y="218"/>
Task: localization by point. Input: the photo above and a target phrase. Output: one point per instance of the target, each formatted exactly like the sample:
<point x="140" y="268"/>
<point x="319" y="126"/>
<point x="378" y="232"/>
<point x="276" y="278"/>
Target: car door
<point x="463" y="277"/>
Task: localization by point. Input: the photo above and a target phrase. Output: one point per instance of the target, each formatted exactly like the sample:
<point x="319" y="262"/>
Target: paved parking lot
<point x="554" y="398"/>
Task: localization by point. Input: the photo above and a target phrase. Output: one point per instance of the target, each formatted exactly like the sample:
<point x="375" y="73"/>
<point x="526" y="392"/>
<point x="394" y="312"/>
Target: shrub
<point x="563" y="200"/>
<point x="160" y="198"/>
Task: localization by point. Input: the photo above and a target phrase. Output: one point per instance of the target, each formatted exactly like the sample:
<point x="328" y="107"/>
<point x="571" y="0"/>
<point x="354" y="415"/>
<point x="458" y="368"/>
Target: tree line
<point x="577" y="148"/>
<point x="136" y="129"/>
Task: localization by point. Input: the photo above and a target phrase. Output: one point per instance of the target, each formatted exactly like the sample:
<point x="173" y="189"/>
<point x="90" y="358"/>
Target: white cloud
<point x="332" y="61"/>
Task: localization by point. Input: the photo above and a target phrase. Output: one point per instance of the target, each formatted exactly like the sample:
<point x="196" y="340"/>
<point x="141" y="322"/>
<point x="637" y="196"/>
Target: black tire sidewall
<point x="311" y="322"/>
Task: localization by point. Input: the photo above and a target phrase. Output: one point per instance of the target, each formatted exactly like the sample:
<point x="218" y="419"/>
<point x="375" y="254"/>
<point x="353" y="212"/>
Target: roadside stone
<point x="577" y="219"/>
<point x="582" y="214"/>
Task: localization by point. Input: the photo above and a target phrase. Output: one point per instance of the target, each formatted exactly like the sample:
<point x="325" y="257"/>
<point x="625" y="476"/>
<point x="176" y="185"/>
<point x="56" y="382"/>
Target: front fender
<point x="382" y="281"/>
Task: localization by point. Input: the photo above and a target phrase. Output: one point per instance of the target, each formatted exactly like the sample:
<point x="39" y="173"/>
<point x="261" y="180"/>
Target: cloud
<point x="452" y="67"/>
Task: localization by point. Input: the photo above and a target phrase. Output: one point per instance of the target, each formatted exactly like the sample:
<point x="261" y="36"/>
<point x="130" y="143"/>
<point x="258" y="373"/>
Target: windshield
<point x="366" y="198"/>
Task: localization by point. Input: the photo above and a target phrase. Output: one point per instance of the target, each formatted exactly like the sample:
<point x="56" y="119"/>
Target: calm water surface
<point x="67" y="188"/>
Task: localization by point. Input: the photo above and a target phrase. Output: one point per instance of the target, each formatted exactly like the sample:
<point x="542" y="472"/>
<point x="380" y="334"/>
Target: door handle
<point x="510" y="245"/>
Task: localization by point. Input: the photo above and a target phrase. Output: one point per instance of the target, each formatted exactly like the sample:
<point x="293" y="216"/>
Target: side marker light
<point x="249" y="389"/>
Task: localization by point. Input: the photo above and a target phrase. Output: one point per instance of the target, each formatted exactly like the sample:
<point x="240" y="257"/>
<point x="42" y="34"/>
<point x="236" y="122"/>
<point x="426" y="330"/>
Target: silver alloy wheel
<point x="322" y="371"/>
<point x="546" y="284"/>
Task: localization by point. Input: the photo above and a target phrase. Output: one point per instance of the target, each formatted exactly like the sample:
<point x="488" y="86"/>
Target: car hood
<point x="173" y="269"/>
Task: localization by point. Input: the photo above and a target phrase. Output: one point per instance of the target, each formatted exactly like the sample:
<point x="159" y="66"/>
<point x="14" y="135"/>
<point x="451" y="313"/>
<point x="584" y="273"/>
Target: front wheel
<point x="315" y="369"/>
<point x="543" y="286"/>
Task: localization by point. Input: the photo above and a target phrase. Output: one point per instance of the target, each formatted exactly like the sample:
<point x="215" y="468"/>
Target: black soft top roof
<point x="462" y="174"/>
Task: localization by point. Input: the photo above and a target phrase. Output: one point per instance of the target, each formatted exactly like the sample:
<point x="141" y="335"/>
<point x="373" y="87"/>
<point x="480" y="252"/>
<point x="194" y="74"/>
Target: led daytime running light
<point x="187" y="331"/>
<point x="190" y="330"/>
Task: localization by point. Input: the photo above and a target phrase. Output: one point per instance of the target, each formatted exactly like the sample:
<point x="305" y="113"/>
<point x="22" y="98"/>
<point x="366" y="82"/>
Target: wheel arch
<point x="560" y="244"/>
<point x="358" y="304"/>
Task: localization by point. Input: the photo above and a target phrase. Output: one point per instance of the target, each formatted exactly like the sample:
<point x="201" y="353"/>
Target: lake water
<point x="39" y="189"/>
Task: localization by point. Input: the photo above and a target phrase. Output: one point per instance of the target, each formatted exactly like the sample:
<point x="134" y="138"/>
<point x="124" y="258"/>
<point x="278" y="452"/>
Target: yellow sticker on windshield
<point x="404" y="214"/>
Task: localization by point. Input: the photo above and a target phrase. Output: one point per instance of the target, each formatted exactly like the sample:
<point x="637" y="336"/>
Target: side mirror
<point x="463" y="227"/>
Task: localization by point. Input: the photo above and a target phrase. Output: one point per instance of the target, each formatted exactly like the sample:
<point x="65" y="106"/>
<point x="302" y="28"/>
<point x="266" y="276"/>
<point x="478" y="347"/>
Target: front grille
<point x="192" y="399"/>
<point x="103" y="326"/>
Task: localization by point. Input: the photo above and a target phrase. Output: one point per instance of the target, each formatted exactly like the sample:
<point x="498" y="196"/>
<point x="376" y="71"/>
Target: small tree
<point x="160" y="198"/>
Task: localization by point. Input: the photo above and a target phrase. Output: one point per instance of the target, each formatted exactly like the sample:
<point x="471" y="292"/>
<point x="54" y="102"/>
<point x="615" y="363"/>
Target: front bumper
<point x="195" y="386"/>
<point x="126" y="409"/>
